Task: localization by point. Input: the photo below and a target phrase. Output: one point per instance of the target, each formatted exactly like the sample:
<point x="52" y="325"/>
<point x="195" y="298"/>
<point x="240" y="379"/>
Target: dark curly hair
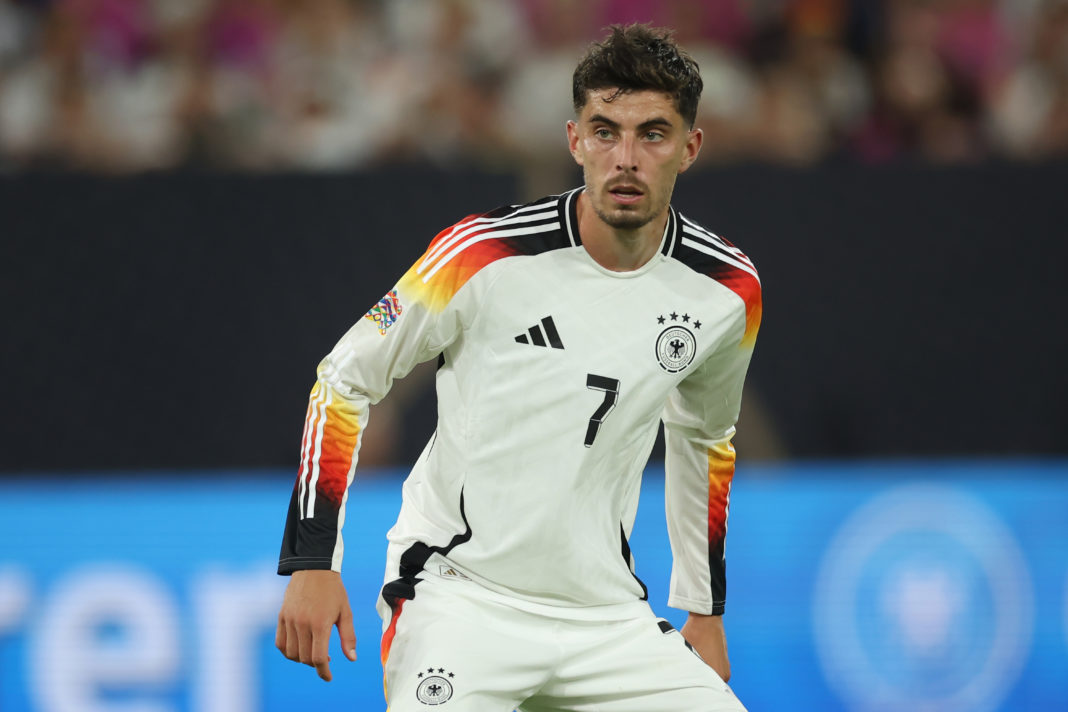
<point x="636" y="58"/>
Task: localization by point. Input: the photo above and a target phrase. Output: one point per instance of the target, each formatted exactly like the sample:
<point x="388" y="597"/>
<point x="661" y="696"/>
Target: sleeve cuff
<point x="290" y="564"/>
<point x="706" y="608"/>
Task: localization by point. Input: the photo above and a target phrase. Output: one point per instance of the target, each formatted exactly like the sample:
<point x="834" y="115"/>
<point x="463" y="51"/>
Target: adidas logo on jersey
<point x="543" y="334"/>
<point x="451" y="572"/>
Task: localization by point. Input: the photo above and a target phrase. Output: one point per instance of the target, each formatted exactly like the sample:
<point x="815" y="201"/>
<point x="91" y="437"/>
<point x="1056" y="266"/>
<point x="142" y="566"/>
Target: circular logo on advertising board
<point x="923" y="602"/>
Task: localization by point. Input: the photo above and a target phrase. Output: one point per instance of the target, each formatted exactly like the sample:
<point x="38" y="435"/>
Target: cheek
<point x="674" y="165"/>
<point x="665" y="182"/>
<point x="594" y="150"/>
<point x="594" y="162"/>
<point x="667" y="169"/>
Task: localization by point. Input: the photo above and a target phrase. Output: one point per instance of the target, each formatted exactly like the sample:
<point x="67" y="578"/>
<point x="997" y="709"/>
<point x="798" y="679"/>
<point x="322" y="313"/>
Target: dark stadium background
<point x="898" y="528"/>
<point x="176" y="320"/>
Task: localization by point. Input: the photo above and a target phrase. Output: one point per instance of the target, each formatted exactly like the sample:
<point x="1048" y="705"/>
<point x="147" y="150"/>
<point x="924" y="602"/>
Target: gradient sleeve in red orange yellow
<point x="333" y="425"/>
<point x="412" y="323"/>
<point x="699" y="423"/>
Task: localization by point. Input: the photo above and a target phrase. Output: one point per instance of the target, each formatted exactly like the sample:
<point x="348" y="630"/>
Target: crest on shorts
<point x="676" y="346"/>
<point x="385" y="312"/>
<point x="435" y="686"/>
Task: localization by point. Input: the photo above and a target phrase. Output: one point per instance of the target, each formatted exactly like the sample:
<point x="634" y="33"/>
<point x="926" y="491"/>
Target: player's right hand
<point x="315" y="601"/>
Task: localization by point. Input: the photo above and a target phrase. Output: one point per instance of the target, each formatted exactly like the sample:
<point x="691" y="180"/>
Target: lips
<point x="626" y="194"/>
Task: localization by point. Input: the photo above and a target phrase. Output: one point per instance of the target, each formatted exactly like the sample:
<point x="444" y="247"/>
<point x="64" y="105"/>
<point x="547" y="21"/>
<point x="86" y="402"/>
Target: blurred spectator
<point x="812" y="92"/>
<point x="536" y="102"/>
<point x="975" y="43"/>
<point x="340" y="93"/>
<point x="460" y="52"/>
<point x="241" y="115"/>
<point x="134" y="85"/>
<point x="924" y="104"/>
<point x="1029" y="117"/>
<point x="26" y="92"/>
<point x="16" y="32"/>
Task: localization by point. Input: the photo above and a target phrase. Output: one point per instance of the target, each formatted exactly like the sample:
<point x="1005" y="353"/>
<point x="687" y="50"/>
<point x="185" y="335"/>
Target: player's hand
<point x="315" y="601"/>
<point x="706" y="635"/>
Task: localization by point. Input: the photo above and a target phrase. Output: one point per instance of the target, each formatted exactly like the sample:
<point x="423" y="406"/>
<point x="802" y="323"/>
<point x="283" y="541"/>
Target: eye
<point x="603" y="133"/>
<point x="654" y="136"/>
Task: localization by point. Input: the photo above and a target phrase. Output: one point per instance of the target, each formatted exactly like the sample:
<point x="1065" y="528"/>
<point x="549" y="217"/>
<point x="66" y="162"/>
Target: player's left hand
<point x="314" y="602"/>
<point x="706" y="635"/>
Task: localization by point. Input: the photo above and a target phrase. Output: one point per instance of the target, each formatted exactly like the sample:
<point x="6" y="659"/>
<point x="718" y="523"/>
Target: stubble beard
<point x="623" y="219"/>
<point x="626" y="218"/>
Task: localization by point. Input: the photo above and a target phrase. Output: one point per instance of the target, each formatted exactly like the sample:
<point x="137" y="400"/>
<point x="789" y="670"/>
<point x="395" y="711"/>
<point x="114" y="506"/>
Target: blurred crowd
<point x="136" y="85"/>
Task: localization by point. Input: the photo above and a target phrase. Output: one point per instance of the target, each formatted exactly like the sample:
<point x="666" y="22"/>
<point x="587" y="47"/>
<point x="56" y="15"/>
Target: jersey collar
<point x="568" y="210"/>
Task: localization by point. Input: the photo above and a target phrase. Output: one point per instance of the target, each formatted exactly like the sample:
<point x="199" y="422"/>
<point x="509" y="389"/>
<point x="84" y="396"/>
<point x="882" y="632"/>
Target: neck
<point x="616" y="249"/>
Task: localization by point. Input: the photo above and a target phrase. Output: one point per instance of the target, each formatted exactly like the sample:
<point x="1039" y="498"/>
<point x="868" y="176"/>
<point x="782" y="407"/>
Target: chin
<point x="628" y="222"/>
<point x="623" y="219"/>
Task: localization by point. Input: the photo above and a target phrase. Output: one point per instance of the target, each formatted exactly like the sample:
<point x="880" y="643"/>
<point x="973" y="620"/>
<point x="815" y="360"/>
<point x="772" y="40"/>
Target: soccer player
<point x="564" y="330"/>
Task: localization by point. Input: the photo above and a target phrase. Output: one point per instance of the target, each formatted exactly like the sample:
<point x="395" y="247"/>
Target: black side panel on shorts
<point x="666" y="627"/>
<point x="414" y="559"/>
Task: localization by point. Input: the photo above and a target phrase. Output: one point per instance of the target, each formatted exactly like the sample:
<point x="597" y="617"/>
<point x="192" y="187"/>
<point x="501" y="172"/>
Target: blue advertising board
<point x="852" y="586"/>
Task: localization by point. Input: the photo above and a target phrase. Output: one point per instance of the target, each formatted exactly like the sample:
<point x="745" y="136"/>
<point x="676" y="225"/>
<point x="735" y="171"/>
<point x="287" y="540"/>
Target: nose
<point x="626" y="154"/>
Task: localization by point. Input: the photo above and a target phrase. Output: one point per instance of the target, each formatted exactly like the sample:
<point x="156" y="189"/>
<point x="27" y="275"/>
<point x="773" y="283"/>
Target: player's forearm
<point x="697" y="488"/>
<point x="329" y="447"/>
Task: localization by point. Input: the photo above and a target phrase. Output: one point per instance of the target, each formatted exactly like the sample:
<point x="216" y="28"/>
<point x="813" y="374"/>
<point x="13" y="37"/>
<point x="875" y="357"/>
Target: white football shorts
<point x="460" y="647"/>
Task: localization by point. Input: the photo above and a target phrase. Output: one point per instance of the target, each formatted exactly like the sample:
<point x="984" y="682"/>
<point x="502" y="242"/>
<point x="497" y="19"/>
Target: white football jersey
<point x="553" y="375"/>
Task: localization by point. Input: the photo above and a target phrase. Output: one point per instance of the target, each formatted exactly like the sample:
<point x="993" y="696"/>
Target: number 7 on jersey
<point x="610" y="386"/>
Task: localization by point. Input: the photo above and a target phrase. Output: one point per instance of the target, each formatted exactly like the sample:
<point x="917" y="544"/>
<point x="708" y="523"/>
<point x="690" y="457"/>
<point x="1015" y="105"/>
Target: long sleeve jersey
<point x="553" y="375"/>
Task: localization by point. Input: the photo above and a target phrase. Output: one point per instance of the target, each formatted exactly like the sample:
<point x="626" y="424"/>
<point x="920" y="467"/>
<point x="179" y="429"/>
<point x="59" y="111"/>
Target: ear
<point x="692" y="149"/>
<point x="573" y="142"/>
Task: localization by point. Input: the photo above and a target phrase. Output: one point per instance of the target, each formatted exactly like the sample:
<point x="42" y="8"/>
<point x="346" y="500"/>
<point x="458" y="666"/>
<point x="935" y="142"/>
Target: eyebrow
<point x="656" y="121"/>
